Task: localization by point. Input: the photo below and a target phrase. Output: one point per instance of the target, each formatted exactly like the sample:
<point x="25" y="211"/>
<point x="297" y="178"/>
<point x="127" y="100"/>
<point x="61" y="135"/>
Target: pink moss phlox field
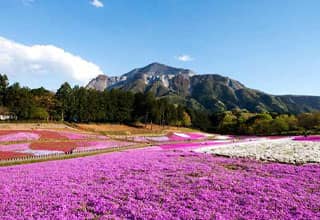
<point x="179" y="137"/>
<point x="15" y="147"/>
<point x="186" y="136"/>
<point x="308" y="138"/>
<point x="96" y="145"/>
<point x="158" y="139"/>
<point x="196" y="136"/>
<point x="151" y="138"/>
<point x="79" y="136"/>
<point x="189" y="146"/>
<point x="19" y="136"/>
<point x="159" y="185"/>
<point x="172" y="137"/>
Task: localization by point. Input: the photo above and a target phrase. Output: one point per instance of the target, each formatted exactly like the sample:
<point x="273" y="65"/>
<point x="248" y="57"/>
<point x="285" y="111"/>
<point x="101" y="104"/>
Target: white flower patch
<point x="41" y="152"/>
<point x="182" y="135"/>
<point x="222" y="137"/>
<point x="159" y="139"/>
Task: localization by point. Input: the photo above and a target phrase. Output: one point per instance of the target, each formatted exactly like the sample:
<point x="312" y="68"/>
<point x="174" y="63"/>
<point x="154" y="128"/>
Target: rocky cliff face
<point x="103" y="82"/>
<point x="211" y="92"/>
<point x="99" y="83"/>
<point x="141" y="79"/>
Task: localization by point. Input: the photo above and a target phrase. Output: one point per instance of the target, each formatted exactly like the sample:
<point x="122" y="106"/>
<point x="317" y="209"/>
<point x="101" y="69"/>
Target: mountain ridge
<point x="211" y="92"/>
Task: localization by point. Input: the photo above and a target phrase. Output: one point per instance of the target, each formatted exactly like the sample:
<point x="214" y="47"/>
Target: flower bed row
<point x="77" y="145"/>
<point x="20" y="135"/>
<point x="57" y="147"/>
<point x="5" y="155"/>
<point x="175" y="136"/>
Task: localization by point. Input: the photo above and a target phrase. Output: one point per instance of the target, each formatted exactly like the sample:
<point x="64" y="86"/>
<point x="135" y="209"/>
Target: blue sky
<point x="270" y="45"/>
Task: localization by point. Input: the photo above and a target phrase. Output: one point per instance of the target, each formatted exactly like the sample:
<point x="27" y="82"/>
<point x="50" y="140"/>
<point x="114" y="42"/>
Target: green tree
<point x="283" y="124"/>
<point x="19" y="100"/>
<point x="38" y="113"/>
<point x="4" y="82"/>
<point x="186" y="120"/>
<point x="124" y="106"/>
<point x="259" y="124"/>
<point x="309" y="120"/>
<point x="228" y="124"/>
<point x="200" y="119"/>
<point x="64" y="96"/>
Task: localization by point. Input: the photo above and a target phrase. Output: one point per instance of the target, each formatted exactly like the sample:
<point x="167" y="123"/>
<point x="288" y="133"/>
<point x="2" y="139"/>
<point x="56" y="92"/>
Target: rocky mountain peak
<point x="209" y="92"/>
<point x="157" y="69"/>
<point x="99" y="83"/>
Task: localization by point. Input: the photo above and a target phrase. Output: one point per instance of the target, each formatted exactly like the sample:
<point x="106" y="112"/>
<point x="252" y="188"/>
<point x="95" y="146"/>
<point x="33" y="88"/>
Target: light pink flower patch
<point x="187" y="136"/>
<point x="189" y="146"/>
<point x="80" y="136"/>
<point x="175" y="137"/>
<point x="152" y="138"/>
<point x="159" y="139"/>
<point x="96" y="145"/>
<point x="15" y="147"/>
<point x="19" y="136"/>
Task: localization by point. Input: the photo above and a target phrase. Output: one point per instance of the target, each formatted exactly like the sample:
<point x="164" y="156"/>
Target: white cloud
<point x="96" y="3"/>
<point x="45" y="63"/>
<point x="184" y="58"/>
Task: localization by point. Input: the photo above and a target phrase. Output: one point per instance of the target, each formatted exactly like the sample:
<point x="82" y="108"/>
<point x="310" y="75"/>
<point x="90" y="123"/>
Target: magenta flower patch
<point x="159" y="185"/>
<point x="314" y="138"/>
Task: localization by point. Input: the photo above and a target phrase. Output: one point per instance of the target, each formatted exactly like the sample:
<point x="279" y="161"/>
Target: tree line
<point x="240" y="121"/>
<point x="78" y="104"/>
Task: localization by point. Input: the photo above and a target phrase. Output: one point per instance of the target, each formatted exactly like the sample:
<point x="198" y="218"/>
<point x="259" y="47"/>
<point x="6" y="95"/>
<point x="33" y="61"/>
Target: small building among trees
<point x="5" y="114"/>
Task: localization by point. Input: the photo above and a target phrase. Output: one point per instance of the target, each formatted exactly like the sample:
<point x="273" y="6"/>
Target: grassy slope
<point x="117" y="129"/>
